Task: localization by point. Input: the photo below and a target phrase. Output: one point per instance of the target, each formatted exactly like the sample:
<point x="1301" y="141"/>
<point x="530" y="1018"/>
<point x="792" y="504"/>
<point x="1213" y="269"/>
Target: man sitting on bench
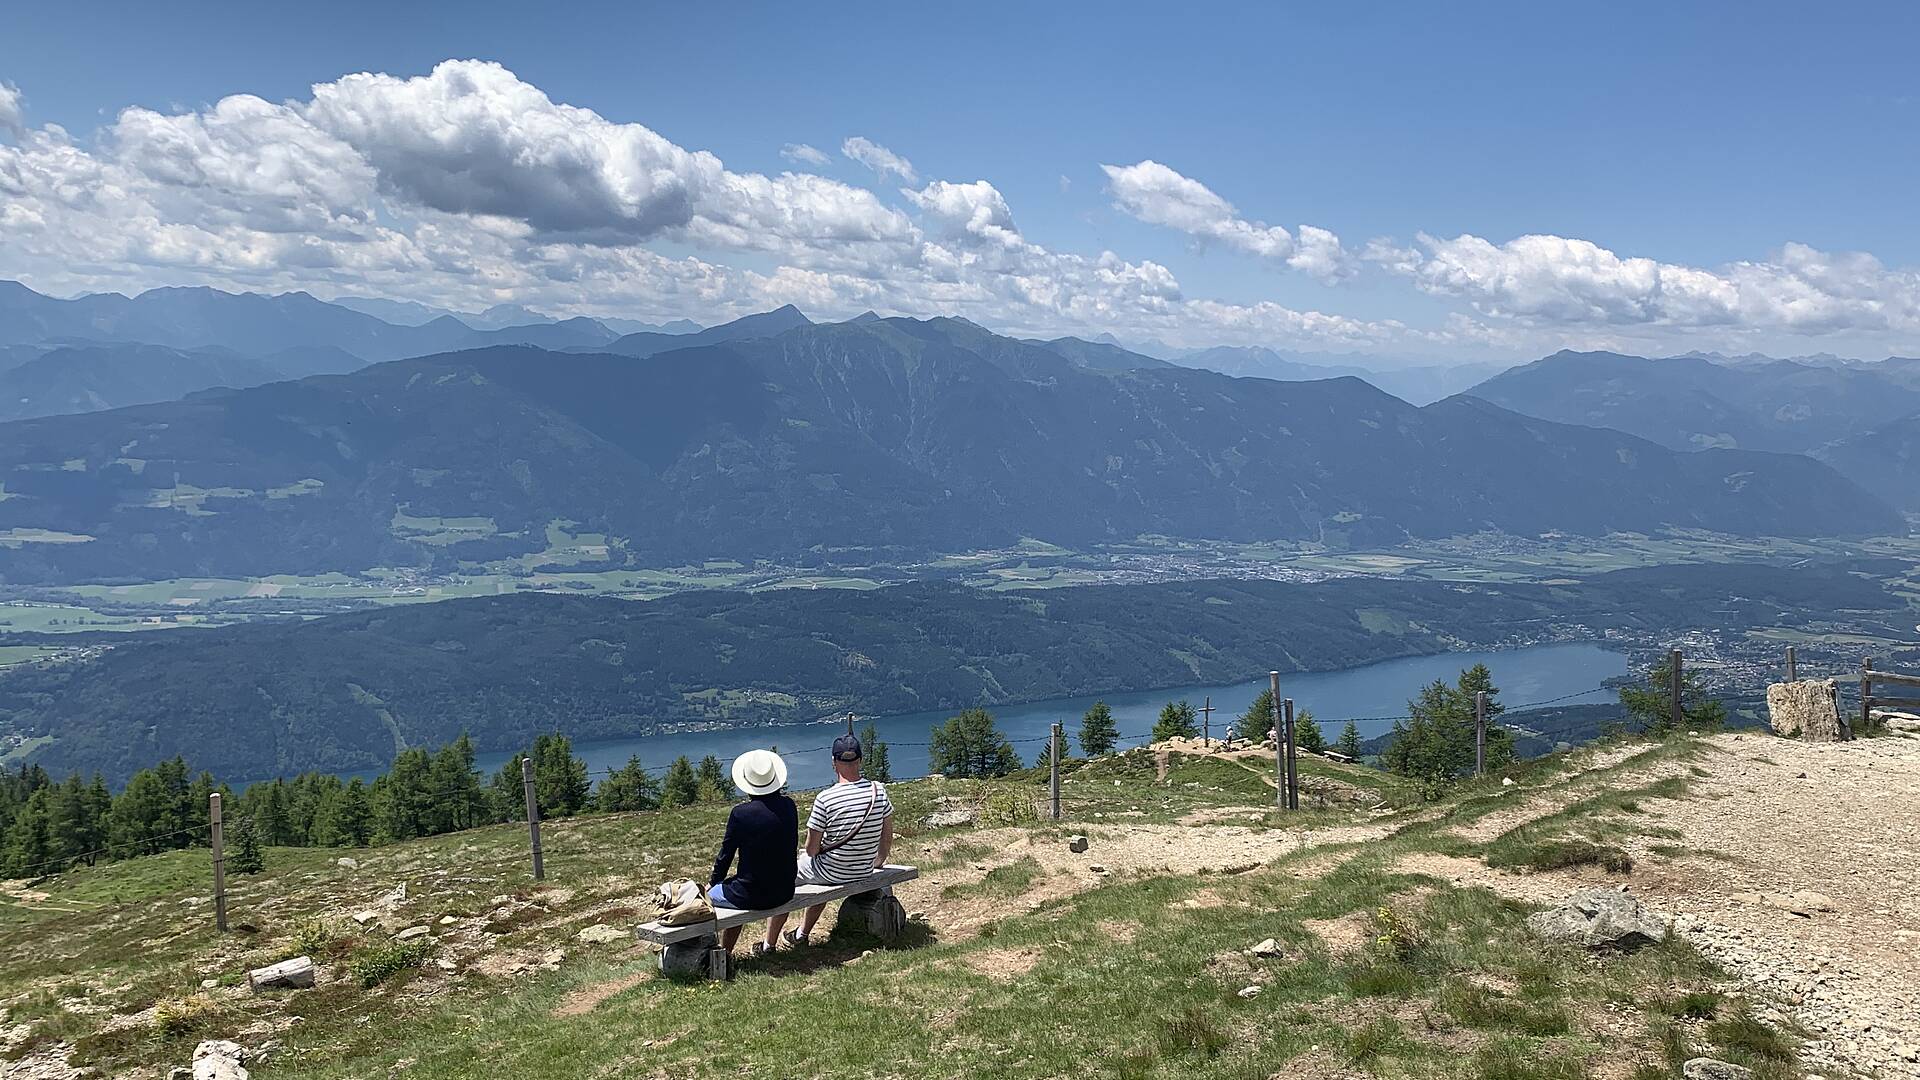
<point x="849" y="832"/>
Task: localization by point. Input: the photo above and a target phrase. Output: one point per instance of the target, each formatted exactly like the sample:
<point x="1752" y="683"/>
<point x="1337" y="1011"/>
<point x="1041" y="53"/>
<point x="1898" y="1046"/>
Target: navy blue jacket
<point x="765" y="831"/>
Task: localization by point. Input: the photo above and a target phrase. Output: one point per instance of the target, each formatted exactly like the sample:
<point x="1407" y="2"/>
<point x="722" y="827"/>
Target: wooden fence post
<point x="219" y="862"/>
<point x="1279" y="745"/>
<point x="1053" y="781"/>
<point x="1479" y="732"/>
<point x="533" y="818"/>
<point x="1792" y="668"/>
<point x="1679" y="713"/>
<point x="1293" y="762"/>
<point x="1866" y="694"/>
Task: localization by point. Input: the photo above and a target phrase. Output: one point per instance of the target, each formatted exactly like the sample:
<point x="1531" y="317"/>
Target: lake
<point x="1525" y="675"/>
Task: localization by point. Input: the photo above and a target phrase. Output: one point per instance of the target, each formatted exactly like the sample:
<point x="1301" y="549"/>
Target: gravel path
<point x="1800" y="875"/>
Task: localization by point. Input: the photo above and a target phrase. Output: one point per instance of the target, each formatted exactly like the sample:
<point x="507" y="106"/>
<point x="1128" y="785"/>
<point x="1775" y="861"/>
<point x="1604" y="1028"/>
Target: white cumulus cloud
<point x="1159" y="195"/>
<point x="803" y="154"/>
<point x="881" y="160"/>
<point x="13" y="115"/>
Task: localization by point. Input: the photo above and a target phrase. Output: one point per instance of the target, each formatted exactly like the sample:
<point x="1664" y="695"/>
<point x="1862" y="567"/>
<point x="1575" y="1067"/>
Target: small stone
<point x="1249" y="991"/>
<point x="918" y="916"/>
<point x="397" y="896"/>
<point x="411" y="932"/>
<point x="347" y="862"/>
<point x="209" y="984"/>
<point x="602" y="934"/>
<point x="1076" y="844"/>
<point x="448" y="920"/>
<point x="446" y="965"/>
<point x="1506" y="781"/>
<point x="1266" y="949"/>
<point x="1096" y="868"/>
<point x="1714" y="1069"/>
<point x="365" y="917"/>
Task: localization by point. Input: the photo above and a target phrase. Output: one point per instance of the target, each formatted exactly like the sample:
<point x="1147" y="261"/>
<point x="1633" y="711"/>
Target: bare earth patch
<point x="1002" y="965"/>
<point x="588" y="998"/>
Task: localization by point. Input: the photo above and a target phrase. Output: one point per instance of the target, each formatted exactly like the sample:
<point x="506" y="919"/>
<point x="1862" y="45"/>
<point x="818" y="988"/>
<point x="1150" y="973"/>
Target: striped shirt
<point x="838" y="814"/>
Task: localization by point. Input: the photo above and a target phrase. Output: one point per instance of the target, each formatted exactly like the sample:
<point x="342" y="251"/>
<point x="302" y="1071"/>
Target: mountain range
<point x="870" y="439"/>
<point x="1419" y="384"/>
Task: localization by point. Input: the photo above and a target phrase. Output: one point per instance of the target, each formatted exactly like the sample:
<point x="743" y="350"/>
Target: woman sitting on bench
<point x="764" y="830"/>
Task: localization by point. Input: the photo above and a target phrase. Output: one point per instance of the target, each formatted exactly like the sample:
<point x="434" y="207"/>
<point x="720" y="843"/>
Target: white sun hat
<point x="759" y="772"/>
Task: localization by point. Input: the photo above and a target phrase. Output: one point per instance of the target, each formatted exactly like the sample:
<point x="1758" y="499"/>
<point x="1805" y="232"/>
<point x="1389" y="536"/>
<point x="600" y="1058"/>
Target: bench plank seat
<point x="805" y="896"/>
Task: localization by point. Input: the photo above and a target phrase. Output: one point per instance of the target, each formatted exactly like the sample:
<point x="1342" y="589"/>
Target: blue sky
<point x="1702" y="137"/>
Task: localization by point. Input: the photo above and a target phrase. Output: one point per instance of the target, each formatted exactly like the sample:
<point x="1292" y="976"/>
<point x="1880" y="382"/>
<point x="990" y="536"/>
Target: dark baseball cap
<point x="846" y="748"/>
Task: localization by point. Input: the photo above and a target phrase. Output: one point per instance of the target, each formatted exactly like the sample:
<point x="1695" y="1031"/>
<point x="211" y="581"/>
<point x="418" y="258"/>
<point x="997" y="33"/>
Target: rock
<point x="1507" y="781"/>
<point x="1076" y="844"/>
<point x="294" y="974"/>
<point x="1096" y="868"/>
<point x="1266" y="949"/>
<point x="1804" y="709"/>
<point x="602" y="934"/>
<point x="947" y="818"/>
<point x="395" y="898"/>
<point x="209" y="984"/>
<point x="1600" y="919"/>
<point x="411" y="933"/>
<point x="365" y="917"/>
<point x="347" y="862"/>
<point x="1714" y="1069"/>
<point x="219" y="1059"/>
<point x="1249" y="991"/>
<point x="448" y="920"/>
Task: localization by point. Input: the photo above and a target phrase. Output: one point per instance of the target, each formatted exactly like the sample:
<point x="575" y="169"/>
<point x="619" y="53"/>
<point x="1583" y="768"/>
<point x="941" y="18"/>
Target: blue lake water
<point x="1525" y="675"/>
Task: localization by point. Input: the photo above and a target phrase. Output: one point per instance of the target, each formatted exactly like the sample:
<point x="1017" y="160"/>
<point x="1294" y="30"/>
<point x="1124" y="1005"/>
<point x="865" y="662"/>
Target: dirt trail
<point x="1835" y="823"/>
<point x="959" y="911"/>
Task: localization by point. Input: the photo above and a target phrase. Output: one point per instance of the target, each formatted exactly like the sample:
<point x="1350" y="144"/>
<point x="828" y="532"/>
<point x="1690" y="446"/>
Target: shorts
<point x="717" y="896"/>
<point x="806" y="875"/>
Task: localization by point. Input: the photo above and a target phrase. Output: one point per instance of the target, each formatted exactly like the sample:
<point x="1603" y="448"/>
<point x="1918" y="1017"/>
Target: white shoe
<point x="794" y="938"/>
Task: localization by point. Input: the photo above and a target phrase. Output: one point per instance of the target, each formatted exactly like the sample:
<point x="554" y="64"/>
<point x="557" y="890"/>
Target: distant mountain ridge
<point x="1689" y="402"/>
<point x="879" y="439"/>
<point x="1418" y="384"/>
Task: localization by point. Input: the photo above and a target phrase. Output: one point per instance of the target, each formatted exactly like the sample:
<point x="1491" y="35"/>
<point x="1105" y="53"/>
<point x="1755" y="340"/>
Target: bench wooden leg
<point x="700" y="957"/>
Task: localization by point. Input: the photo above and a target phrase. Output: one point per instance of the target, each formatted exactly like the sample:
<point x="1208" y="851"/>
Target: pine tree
<point x="1650" y="708"/>
<point x="1177" y="721"/>
<point x="1436" y="746"/>
<point x="245" y="854"/>
<point x="458" y="800"/>
<point x="873" y="763"/>
<point x="1257" y="722"/>
<point x="1307" y="734"/>
<point x="714" y="784"/>
<point x="1098" y="734"/>
<point x="968" y="745"/>
<point x="1350" y="740"/>
<point x="560" y="780"/>
<point x="627" y="788"/>
<point x="28" y="849"/>
<point x="680" y="787"/>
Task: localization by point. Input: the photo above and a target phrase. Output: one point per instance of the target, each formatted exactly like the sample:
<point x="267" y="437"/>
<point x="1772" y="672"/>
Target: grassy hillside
<point x="1026" y="960"/>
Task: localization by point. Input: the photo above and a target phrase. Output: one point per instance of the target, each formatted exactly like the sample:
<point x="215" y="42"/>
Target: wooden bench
<point x="695" y="949"/>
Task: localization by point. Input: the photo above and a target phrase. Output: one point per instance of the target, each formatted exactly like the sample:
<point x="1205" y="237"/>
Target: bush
<point x="1395" y="937"/>
<point x="181" y="1016"/>
<point x="379" y="963"/>
<point x="317" y="937"/>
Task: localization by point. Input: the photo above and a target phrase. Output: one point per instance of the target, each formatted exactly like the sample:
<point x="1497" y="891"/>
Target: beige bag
<point x="684" y="903"/>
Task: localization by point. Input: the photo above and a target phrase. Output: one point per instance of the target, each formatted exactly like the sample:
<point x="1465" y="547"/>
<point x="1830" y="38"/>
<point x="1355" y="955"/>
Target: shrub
<point x="379" y="963"/>
<point x="1395" y="937"/>
<point x="181" y="1016"/>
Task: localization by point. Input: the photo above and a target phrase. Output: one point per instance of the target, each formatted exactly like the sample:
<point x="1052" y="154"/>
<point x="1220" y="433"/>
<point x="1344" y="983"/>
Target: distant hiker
<point x="849" y="832"/>
<point x="764" y="831"/>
